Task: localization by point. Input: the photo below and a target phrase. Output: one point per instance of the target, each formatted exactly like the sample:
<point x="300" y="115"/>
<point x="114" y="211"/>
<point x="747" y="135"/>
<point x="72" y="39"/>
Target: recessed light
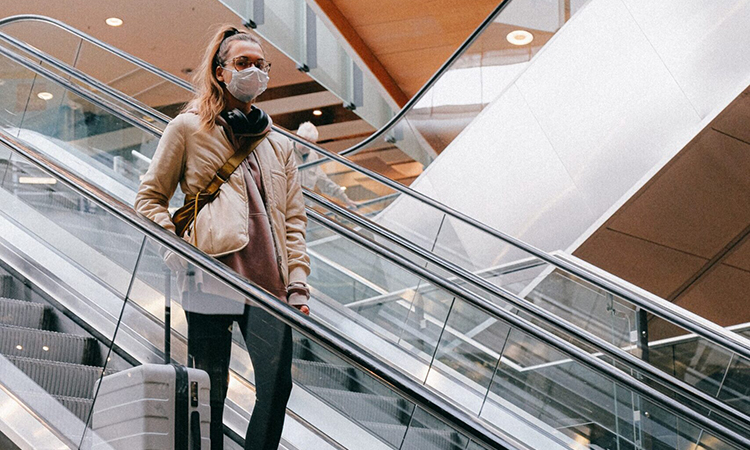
<point x="19" y="347"/>
<point x="317" y="112"/>
<point x="45" y="95"/>
<point x="45" y="348"/>
<point x="36" y="180"/>
<point x="520" y="37"/>
<point x="114" y="21"/>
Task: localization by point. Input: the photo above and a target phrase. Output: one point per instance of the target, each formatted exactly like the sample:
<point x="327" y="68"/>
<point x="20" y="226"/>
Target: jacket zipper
<point x="270" y="221"/>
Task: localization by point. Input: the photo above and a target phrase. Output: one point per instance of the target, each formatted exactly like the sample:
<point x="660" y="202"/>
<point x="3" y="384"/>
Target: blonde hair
<point x="209" y="101"/>
<point x="308" y="132"/>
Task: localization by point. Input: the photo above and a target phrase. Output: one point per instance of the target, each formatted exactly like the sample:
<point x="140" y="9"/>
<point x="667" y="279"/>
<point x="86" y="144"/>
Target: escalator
<point x="383" y="296"/>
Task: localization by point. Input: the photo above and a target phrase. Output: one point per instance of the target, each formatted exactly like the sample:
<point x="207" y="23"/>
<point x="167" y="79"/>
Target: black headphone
<point x="251" y="123"/>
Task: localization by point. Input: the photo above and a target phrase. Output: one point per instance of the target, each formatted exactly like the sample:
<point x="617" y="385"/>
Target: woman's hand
<point x="304" y="309"/>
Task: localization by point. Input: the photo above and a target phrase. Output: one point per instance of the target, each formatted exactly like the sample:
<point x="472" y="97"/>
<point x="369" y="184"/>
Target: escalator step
<point x="367" y="407"/>
<point x="47" y="345"/>
<point x="6" y="284"/>
<point x="20" y="313"/>
<point x="45" y="403"/>
<point x="57" y="378"/>
<point x="78" y="406"/>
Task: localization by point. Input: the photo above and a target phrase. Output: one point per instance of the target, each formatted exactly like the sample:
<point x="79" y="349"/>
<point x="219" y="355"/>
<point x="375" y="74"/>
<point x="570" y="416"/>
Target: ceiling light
<point x="36" y="180"/>
<point x="317" y="112"/>
<point x="45" y="348"/>
<point x="45" y="95"/>
<point x="19" y="347"/>
<point x="114" y="21"/>
<point x="520" y="37"/>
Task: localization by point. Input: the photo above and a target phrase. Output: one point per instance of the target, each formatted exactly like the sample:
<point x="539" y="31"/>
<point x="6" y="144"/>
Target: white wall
<point x="617" y="92"/>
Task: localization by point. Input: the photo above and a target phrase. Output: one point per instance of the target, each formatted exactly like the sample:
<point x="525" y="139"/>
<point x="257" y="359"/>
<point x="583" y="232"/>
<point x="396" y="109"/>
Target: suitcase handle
<point x="195" y="431"/>
<point x="167" y="316"/>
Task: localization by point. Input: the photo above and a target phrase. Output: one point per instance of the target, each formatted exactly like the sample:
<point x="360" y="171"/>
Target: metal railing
<point x="329" y="338"/>
<point x="615" y="352"/>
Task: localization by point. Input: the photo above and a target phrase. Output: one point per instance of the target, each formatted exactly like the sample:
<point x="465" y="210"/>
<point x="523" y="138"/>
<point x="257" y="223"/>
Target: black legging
<point x="269" y="343"/>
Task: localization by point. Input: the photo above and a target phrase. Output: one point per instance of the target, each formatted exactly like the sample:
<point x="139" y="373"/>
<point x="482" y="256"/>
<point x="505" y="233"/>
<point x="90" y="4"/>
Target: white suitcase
<point x="153" y="406"/>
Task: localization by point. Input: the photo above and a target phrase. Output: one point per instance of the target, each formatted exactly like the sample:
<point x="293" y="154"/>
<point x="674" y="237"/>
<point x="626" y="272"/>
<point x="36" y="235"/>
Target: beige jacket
<point x="189" y="157"/>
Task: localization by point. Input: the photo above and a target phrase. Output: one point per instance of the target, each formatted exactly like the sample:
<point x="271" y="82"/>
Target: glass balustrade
<point x="111" y="278"/>
<point x="374" y="289"/>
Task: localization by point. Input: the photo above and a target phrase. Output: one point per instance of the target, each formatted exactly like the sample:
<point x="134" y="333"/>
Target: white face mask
<point x="248" y="84"/>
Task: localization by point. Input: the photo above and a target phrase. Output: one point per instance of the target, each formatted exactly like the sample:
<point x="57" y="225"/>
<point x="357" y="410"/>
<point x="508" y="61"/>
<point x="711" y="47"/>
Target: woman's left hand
<point x="304" y="309"/>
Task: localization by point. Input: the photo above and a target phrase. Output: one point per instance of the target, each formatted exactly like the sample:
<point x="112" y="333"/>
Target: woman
<point x="256" y="225"/>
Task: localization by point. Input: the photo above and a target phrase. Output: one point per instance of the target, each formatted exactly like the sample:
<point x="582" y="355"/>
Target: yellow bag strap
<point x="225" y="171"/>
<point x="221" y="177"/>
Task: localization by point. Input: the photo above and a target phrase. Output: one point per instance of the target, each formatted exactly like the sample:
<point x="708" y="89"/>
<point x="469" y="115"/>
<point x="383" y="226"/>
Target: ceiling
<point x="409" y="42"/>
<point x="410" y="39"/>
<point x="685" y="235"/>
<point x="172" y="34"/>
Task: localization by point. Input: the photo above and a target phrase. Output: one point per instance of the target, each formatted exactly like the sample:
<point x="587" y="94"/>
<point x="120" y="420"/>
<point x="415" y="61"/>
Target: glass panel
<point x="150" y="89"/>
<point x="736" y="388"/>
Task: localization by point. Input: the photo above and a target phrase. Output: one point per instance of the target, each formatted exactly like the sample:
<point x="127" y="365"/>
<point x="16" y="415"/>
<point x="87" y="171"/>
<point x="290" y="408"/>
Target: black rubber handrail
<point x="624" y="357"/>
<point x="331" y="339"/>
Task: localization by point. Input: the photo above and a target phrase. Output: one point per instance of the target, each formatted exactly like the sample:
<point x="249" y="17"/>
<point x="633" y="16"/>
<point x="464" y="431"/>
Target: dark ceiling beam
<point x="350" y="35"/>
<point x="290" y="90"/>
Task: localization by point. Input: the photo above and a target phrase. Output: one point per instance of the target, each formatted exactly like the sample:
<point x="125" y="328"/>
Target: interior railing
<point x="128" y="278"/>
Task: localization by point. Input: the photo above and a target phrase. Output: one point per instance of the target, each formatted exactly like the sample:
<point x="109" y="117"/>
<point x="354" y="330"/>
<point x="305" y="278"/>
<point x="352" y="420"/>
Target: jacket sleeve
<point x="163" y="175"/>
<point x="296" y="222"/>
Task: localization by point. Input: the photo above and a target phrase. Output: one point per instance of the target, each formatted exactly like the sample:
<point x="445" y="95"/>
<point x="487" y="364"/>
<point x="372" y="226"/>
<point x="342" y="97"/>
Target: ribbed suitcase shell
<point x="135" y="408"/>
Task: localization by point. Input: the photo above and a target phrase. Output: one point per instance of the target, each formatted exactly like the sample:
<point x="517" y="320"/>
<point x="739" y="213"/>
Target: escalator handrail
<point x="84" y="78"/>
<point x="563" y="326"/>
<point x="526" y="326"/>
<point x="623" y="356"/>
<point x="473" y="427"/>
<point x="687" y="320"/>
<point x="339" y="344"/>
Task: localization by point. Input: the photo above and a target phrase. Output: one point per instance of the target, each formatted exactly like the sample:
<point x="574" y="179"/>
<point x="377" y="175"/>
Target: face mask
<point x="248" y="84"/>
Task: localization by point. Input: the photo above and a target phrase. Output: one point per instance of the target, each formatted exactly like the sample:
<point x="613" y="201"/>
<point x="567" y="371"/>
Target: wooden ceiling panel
<point x="740" y="256"/>
<point x="364" y="12"/>
<point x="411" y="70"/>
<point x="697" y="204"/>
<point x="409" y="35"/>
<point x="716" y="298"/>
<point x="703" y="215"/>
<point x="411" y="39"/>
<point x="663" y="271"/>
<point x="737" y="122"/>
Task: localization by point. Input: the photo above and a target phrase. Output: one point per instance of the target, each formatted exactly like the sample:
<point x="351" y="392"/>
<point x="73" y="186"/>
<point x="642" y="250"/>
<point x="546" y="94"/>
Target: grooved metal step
<point x="78" y="406"/>
<point x="6" y="284"/>
<point x="58" y="378"/>
<point x="23" y="314"/>
<point x="47" y="345"/>
<point x="367" y="407"/>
